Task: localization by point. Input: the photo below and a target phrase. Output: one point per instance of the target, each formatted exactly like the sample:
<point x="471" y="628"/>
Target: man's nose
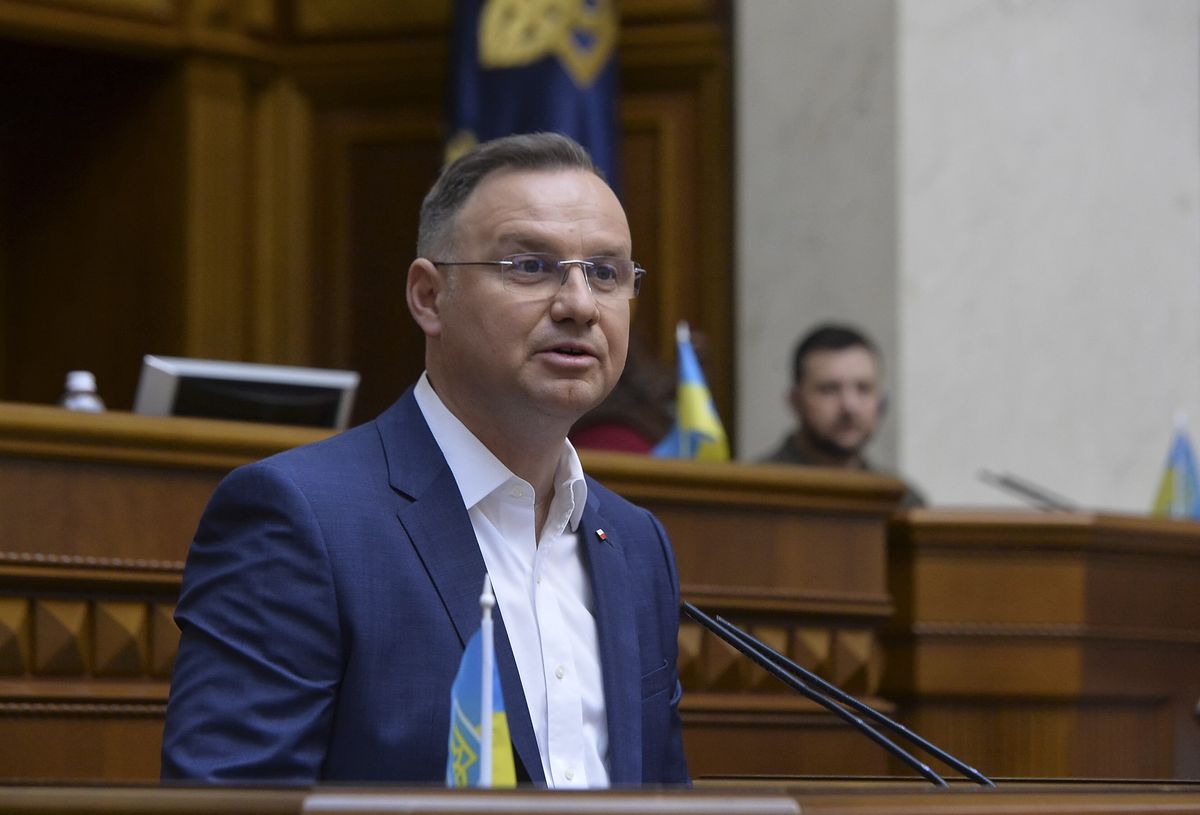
<point x="574" y="298"/>
<point x="850" y="399"/>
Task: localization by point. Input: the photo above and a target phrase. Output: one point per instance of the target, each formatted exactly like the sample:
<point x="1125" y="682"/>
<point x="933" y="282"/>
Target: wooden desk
<point x="99" y="511"/>
<point x="1049" y="644"/>
<point x="1062" y="645"/>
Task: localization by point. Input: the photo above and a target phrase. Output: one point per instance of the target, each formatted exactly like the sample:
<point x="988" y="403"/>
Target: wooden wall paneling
<point x="126" y="25"/>
<point x="659" y="10"/>
<point x="379" y="167"/>
<point x="217" y="178"/>
<point x="90" y="237"/>
<point x="377" y="135"/>
<point x="283" y="290"/>
<point x="659" y="194"/>
<point x="217" y="248"/>
<point x="675" y="136"/>
<point x="314" y="19"/>
<point x="676" y="115"/>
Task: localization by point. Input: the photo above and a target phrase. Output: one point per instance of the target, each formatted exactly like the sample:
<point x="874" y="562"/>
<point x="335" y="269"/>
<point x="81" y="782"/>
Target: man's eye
<point x="604" y="273"/>
<point x="528" y="265"/>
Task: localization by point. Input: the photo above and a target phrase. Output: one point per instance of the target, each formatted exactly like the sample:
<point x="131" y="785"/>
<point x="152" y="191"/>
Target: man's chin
<point x="841" y="446"/>
<point x="570" y="399"/>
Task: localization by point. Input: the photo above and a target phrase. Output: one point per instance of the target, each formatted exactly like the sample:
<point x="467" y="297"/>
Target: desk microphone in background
<point x="832" y="698"/>
<point x="1034" y="494"/>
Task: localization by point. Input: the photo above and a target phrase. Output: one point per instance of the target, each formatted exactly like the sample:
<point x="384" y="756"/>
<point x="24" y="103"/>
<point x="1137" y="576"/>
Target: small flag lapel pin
<point x="600" y="534"/>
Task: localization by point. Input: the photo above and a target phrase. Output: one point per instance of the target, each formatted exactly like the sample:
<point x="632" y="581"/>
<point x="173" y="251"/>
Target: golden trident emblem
<point x="518" y="32"/>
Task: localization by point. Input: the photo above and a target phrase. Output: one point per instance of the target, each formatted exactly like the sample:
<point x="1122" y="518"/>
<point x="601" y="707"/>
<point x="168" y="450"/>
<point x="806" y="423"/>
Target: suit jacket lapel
<point x="617" y="632"/>
<point x="439" y="528"/>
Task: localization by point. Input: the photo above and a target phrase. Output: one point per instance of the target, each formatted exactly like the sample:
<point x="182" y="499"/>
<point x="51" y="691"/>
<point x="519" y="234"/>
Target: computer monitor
<point x="245" y="391"/>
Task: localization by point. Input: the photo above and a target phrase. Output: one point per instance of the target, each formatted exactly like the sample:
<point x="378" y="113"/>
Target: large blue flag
<point x="1179" y="489"/>
<point x="522" y="67"/>
<point x="698" y="432"/>
<point x="480" y="749"/>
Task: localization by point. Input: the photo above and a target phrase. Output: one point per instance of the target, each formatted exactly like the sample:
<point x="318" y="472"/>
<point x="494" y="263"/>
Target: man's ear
<point x="883" y="405"/>
<point x="424" y="289"/>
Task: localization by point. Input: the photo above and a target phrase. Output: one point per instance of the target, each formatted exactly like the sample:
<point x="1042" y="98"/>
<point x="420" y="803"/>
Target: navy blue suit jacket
<point x="327" y="599"/>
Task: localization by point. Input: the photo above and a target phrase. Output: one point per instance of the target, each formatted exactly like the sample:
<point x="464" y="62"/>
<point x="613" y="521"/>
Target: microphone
<point x="795" y="677"/>
<point x="1035" y="494"/>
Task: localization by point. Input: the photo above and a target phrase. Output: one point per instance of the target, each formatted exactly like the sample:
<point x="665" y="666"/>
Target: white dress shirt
<point x="543" y="592"/>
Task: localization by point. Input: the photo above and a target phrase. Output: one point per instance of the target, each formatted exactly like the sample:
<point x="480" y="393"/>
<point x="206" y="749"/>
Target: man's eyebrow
<point x="527" y="242"/>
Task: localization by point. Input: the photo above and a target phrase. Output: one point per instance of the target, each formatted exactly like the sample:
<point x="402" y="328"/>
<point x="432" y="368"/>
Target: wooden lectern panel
<point x="98" y="514"/>
<point x="798" y="557"/>
<point x="1028" y="644"/>
<point x="1061" y="645"/>
<point x="105" y="506"/>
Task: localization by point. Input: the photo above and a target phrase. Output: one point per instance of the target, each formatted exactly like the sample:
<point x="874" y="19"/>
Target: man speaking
<point x="330" y="589"/>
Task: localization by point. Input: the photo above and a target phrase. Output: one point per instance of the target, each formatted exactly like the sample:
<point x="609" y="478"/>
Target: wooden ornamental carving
<point x="121" y="638"/>
<point x="15" y="645"/>
<point x="61" y="642"/>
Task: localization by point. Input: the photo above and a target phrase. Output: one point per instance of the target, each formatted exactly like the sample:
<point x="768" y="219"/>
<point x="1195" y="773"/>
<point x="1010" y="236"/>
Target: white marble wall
<point x="1042" y="312"/>
<point x="816" y="208"/>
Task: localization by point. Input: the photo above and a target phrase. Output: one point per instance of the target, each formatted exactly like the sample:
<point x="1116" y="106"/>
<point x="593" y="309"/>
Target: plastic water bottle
<point x="80" y="393"/>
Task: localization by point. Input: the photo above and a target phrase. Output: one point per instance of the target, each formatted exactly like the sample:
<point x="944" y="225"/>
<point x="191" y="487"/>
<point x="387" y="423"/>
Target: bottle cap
<point x="81" y="381"/>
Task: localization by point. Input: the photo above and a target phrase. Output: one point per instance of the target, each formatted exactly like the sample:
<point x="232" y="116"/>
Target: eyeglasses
<point x="537" y="275"/>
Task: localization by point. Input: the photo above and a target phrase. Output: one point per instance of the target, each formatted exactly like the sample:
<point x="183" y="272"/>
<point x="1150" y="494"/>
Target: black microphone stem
<point x="796" y="684"/>
<point x="851" y="701"/>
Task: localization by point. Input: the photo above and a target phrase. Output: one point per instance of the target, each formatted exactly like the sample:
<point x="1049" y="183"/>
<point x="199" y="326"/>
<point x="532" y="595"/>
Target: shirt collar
<point x="476" y="469"/>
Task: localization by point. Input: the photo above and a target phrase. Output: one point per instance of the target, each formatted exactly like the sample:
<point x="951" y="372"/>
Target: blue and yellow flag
<point x="477" y="711"/>
<point x="522" y="67"/>
<point x="1179" y="489"/>
<point x="697" y="433"/>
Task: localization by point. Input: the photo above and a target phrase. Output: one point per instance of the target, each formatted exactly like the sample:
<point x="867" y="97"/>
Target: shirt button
<point x="559" y="671"/>
<point x="569" y="774"/>
<point x="538" y="580"/>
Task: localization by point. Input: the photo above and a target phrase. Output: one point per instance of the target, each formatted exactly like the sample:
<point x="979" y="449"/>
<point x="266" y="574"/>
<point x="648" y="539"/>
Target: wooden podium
<point x="102" y="509"/>
<point x="1049" y="644"/>
<point x="1029" y="644"/>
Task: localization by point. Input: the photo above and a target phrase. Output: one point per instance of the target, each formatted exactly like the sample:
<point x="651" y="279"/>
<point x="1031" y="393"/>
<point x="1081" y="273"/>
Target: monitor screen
<point x="245" y="391"/>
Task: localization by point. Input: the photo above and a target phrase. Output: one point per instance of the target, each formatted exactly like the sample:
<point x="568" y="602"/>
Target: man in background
<point x="838" y="399"/>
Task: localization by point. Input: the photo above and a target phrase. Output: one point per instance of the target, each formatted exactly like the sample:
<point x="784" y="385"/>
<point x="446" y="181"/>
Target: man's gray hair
<point x="528" y="151"/>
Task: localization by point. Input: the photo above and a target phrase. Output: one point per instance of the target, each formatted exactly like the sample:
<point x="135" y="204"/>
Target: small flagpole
<point x="1179" y="508"/>
<point x="683" y="332"/>
<point x="486" y="602"/>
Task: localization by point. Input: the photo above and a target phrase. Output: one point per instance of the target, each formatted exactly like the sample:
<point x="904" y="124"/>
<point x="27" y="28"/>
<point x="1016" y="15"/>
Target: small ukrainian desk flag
<point x="697" y="433"/>
<point x="480" y="749"/>
<point x="1179" y="489"/>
